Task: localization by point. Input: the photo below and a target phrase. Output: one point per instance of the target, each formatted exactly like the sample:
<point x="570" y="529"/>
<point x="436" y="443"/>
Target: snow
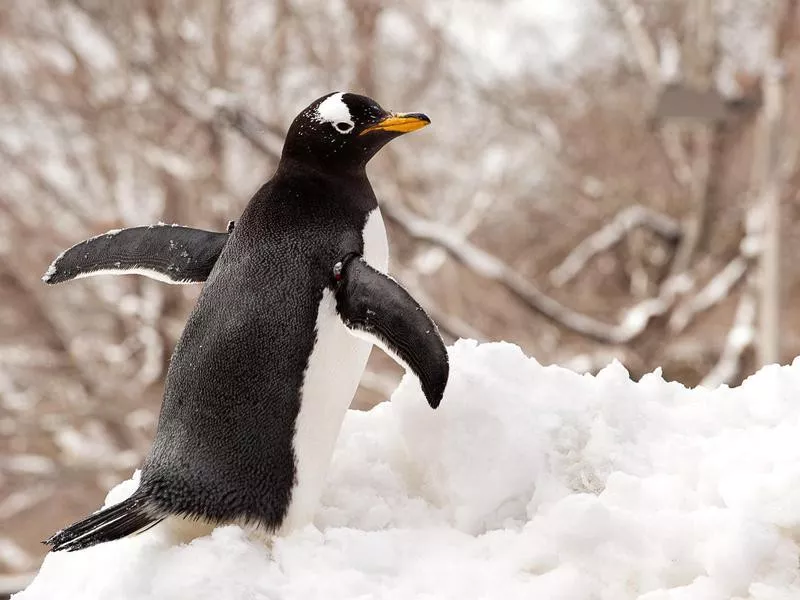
<point x="51" y="270"/>
<point x="527" y="482"/>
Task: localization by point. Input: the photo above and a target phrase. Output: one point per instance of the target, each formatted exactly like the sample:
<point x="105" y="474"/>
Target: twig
<point x="604" y="238"/>
<point x="647" y="57"/>
<point x="430" y="260"/>
<point x="643" y="46"/>
<point x="717" y="289"/>
<point x="676" y="154"/>
<point x="217" y="106"/>
<point x="491" y="267"/>
<point x="638" y="317"/>
<point x="449" y="325"/>
<point x="700" y="70"/>
<point x="699" y="188"/>
<point x="740" y="337"/>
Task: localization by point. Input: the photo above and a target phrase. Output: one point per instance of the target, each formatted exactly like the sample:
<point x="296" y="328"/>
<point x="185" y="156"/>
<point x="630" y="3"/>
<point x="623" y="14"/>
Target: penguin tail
<point x="134" y="515"/>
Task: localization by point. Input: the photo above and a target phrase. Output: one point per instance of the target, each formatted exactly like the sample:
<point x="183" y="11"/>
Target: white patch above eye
<point x="334" y="110"/>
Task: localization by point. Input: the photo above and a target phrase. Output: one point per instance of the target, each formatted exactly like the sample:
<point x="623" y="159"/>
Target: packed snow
<point x="528" y="482"/>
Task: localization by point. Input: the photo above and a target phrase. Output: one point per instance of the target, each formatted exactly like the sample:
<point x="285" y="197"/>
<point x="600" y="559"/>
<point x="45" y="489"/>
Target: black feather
<point x="369" y="301"/>
<point x="130" y="516"/>
<point x="180" y="254"/>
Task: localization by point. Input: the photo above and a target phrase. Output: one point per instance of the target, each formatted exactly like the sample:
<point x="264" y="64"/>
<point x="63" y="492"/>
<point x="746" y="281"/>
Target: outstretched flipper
<point x="169" y="253"/>
<point x="375" y="307"/>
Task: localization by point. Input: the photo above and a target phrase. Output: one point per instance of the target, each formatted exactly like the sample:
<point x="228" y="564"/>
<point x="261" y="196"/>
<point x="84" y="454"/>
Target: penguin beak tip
<point x="400" y="123"/>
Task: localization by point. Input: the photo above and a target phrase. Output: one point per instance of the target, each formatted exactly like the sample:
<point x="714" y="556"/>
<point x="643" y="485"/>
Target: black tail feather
<point x="126" y="518"/>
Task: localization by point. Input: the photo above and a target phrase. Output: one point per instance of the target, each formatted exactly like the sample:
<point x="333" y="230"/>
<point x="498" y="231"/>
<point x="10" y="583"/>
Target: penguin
<point x="295" y="295"/>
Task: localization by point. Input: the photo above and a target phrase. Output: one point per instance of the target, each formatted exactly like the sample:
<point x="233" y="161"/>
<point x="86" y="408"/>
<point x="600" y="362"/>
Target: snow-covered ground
<point x="528" y="482"/>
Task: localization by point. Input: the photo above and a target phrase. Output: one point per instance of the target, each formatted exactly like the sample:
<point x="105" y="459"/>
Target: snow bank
<point x="528" y="482"/>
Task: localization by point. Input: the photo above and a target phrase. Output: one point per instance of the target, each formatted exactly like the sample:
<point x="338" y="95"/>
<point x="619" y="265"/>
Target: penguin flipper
<point x="169" y="253"/>
<point x="133" y="515"/>
<point x="375" y="307"/>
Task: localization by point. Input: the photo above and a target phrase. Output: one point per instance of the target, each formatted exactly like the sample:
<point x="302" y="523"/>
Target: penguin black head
<point x="343" y="131"/>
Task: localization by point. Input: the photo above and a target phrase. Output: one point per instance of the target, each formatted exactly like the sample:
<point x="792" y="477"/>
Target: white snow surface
<point x="527" y="482"/>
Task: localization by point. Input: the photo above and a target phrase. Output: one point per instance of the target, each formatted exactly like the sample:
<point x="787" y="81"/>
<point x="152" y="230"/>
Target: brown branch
<point x="643" y="46"/>
<point x="449" y="325"/>
<point x="739" y="338"/>
<point x="611" y="234"/>
<point x="217" y="107"/>
<point x="486" y="265"/>
<point x="700" y="72"/>
<point x="696" y="223"/>
<point x="716" y="290"/>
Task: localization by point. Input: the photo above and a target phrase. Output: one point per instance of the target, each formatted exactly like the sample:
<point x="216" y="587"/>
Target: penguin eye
<point x="343" y="127"/>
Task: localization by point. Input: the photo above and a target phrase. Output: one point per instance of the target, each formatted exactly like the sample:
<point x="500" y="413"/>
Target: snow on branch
<point x="210" y="111"/>
<point x="491" y="267"/>
<point x="430" y="260"/>
<point x="644" y="47"/>
<point x="647" y="56"/>
<point x="216" y="106"/>
<point x="637" y="317"/>
<point x="252" y="129"/>
<point x="449" y="325"/>
<point x="611" y="234"/>
<point x="716" y="290"/>
<point x="739" y="338"/>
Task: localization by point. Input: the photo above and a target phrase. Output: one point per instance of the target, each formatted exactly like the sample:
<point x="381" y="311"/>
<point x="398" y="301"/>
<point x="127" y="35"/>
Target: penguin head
<point x="343" y="131"/>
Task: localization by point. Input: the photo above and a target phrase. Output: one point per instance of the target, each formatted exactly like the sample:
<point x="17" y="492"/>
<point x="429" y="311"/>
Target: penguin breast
<point x="330" y="381"/>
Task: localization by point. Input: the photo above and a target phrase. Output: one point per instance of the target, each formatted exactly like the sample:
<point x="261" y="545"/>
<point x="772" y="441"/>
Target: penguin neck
<point x="348" y="174"/>
<point x="351" y="186"/>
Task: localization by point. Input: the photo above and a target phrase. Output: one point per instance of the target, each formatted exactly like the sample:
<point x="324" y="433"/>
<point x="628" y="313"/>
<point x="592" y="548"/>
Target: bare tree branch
<point x="700" y="70"/>
<point x="739" y="338"/>
<point x="716" y="290"/>
<point x="491" y="267"/>
<point x="611" y="234"/>
<point x="643" y="46"/>
<point x="218" y="105"/>
<point x="449" y="324"/>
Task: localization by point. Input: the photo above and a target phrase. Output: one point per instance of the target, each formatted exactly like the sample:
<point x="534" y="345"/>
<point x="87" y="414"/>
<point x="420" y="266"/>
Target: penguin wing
<point x="376" y="308"/>
<point x="169" y="253"/>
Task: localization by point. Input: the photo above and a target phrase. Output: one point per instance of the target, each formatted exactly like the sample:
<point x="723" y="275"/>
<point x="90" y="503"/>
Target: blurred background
<point x="603" y="179"/>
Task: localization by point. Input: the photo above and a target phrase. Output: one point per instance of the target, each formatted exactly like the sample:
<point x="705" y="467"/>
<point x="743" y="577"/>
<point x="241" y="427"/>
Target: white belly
<point x="334" y="370"/>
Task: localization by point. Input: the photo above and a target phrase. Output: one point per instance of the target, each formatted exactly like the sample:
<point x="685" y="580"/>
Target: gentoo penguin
<point x="272" y="352"/>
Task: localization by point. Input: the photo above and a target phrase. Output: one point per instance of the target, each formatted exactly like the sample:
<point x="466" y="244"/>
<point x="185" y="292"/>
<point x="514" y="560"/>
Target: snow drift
<point x="528" y="482"/>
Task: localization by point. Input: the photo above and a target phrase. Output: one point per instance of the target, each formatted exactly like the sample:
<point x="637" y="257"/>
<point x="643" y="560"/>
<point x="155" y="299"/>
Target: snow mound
<point x="528" y="482"/>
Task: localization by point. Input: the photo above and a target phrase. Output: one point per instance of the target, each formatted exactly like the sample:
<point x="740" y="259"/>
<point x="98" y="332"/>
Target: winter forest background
<point x="603" y="179"/>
